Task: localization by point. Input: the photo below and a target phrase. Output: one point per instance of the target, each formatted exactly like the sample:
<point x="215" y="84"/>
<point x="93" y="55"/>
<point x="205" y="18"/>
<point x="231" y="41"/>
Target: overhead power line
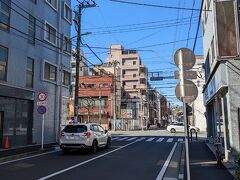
<point x="189" y="30"/>
<point x="198" y="26"/>
<point x="139" y="24"/>
<point x="157" y="6"/>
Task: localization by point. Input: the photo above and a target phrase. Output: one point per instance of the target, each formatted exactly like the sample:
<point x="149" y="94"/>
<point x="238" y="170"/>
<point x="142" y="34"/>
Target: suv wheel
<point x="173" y="130"/>
<point x="193" y="131"/>
<point x="108" y="145"/>
<point x="65" y="151"/>
<point x="94" y="147"/>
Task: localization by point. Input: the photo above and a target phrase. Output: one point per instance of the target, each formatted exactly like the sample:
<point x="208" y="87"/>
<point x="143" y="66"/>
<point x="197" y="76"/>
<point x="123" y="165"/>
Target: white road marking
<point x="160" y="139"/>
<point x="170" y="140"/>
<point x="131" y="139"/>
<point x="84" y="162"/>
<point x="115" y="138"/>
<point x="180" y="176"/>
<point x="164" y="168"/>
<point x="150" y="139"/>
<point x="37" y="155"/>
<point x="180" y="139"/>
<point x="122" y="139"/>
<point x="140" y="139"/>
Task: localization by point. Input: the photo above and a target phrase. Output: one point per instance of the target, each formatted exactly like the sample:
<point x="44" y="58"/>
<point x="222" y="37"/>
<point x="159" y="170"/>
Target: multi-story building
<point x="164" y="111"/>
<point x="154" y="107"/>
<point x="96" y="99"/>
<point x="198" y="109"/>
<point x="83" y="71"/>
<point x="35" y="56"/>
<point x="222" y="85"/>
<point x="133" y="78"/>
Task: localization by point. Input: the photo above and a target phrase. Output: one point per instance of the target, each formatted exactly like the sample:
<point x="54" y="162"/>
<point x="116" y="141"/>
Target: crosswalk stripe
<point x="170" y="140"/>
<point x="180" y="139"/>
<point x="140" y="139"/>
<point x="122" y="139"/>
<point x="115" y="138"/>
<point x="150" y="139"/>
<point x="160" y="139"/>
<point x="131" y="139"/>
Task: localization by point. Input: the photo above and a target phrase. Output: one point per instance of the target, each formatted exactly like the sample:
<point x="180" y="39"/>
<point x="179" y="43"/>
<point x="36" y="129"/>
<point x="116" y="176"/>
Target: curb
<point x="182" y="164"/>
<point x="15" y="153"/>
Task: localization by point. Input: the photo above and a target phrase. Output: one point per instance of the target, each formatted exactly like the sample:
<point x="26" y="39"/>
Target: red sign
<point x="41" y="96"/>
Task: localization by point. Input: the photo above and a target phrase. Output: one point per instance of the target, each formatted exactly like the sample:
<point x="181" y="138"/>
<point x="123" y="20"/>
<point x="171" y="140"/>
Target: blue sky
<point x="153" y="31"/>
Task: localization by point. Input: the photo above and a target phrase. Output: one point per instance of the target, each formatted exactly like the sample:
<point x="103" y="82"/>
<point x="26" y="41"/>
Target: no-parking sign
<point x="41" y="109"/>
<point x="41" y="103"/>
<point x="42" y="96"/>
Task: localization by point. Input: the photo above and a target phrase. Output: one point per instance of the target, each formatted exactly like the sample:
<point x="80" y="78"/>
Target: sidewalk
<point x="203" y="163"/>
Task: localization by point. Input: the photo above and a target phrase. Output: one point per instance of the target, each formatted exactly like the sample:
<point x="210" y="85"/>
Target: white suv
<point x="179" y="127"/>
<point x="84" y="136"/>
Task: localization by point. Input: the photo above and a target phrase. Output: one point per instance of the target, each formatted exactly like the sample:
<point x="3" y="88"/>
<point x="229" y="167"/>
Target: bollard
<point x="196" y="136"/>
<point x="191" y="135"/>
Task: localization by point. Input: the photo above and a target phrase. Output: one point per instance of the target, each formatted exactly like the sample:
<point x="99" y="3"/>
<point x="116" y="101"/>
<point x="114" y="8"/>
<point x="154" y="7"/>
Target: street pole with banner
<point x="41" y="109"/>
<point x="186" y="91"/>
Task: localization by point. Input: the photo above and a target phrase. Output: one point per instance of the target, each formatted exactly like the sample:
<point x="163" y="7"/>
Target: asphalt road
<point x="136" y="157"/>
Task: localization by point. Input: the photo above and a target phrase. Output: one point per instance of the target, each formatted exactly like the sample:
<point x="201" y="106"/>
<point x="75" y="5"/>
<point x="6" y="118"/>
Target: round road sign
<point x="42" y="96"/>
<point x="184" y="58"/>
<point x="41" y="109"/>
<point x="190" y="90"/>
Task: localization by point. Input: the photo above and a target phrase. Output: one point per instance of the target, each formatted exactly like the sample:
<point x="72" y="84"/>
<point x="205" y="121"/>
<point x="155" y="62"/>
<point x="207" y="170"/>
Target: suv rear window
<point x="75" y="129"/>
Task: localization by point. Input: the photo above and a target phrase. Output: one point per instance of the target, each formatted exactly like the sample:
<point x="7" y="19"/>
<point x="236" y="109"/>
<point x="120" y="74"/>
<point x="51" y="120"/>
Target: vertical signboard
<point x="226" y="18"/>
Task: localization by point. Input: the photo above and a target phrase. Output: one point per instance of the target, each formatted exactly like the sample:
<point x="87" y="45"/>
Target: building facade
<point x="198" y="109"/>
<point x="154" y="106"/>
<point x="96" y="99"/>
<point x="221" y="91"/>
<point x="133" y="78"/>
<point x="34" y="57"/>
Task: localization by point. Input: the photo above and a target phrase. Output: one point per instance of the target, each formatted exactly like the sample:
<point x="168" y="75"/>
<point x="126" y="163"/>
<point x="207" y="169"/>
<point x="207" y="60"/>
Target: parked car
<point x="179" y="127"/>
<point x="84" y="136"/>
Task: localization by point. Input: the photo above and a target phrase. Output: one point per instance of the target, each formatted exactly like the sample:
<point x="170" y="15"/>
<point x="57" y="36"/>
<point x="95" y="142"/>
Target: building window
<point x="103" y="85"/>
<point x="134" y="86"/>
<point x="67" y="44"/>
<point x="31" y="29"/>
<point x="5" y="7"/>
<point x="3" y="63"/>
<point x="29" y="73"/>
<point x="50" y="72"/>
<point x="134" y="75"/>
<point x="52" y="3"/>
<point x="50" y="34"/>
<point x="134" y="62"/>
<point x="66" y="78"/>
<point x="67" y="13"/>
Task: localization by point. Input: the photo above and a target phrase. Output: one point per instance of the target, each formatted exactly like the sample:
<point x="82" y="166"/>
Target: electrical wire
<point x="190" y="24"/>
<point x="156" y="6"/>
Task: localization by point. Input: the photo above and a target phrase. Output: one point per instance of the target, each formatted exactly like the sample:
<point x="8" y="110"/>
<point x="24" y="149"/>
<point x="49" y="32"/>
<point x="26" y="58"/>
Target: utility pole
<point x="115" y="99"/>
<point x="100" y="106"/>
<point x="77" y="20"/>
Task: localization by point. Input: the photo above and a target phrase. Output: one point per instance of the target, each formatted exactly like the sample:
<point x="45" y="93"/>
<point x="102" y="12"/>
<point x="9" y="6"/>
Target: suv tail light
<point x="88" y="134"/>
<point x="61" y="134"/>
